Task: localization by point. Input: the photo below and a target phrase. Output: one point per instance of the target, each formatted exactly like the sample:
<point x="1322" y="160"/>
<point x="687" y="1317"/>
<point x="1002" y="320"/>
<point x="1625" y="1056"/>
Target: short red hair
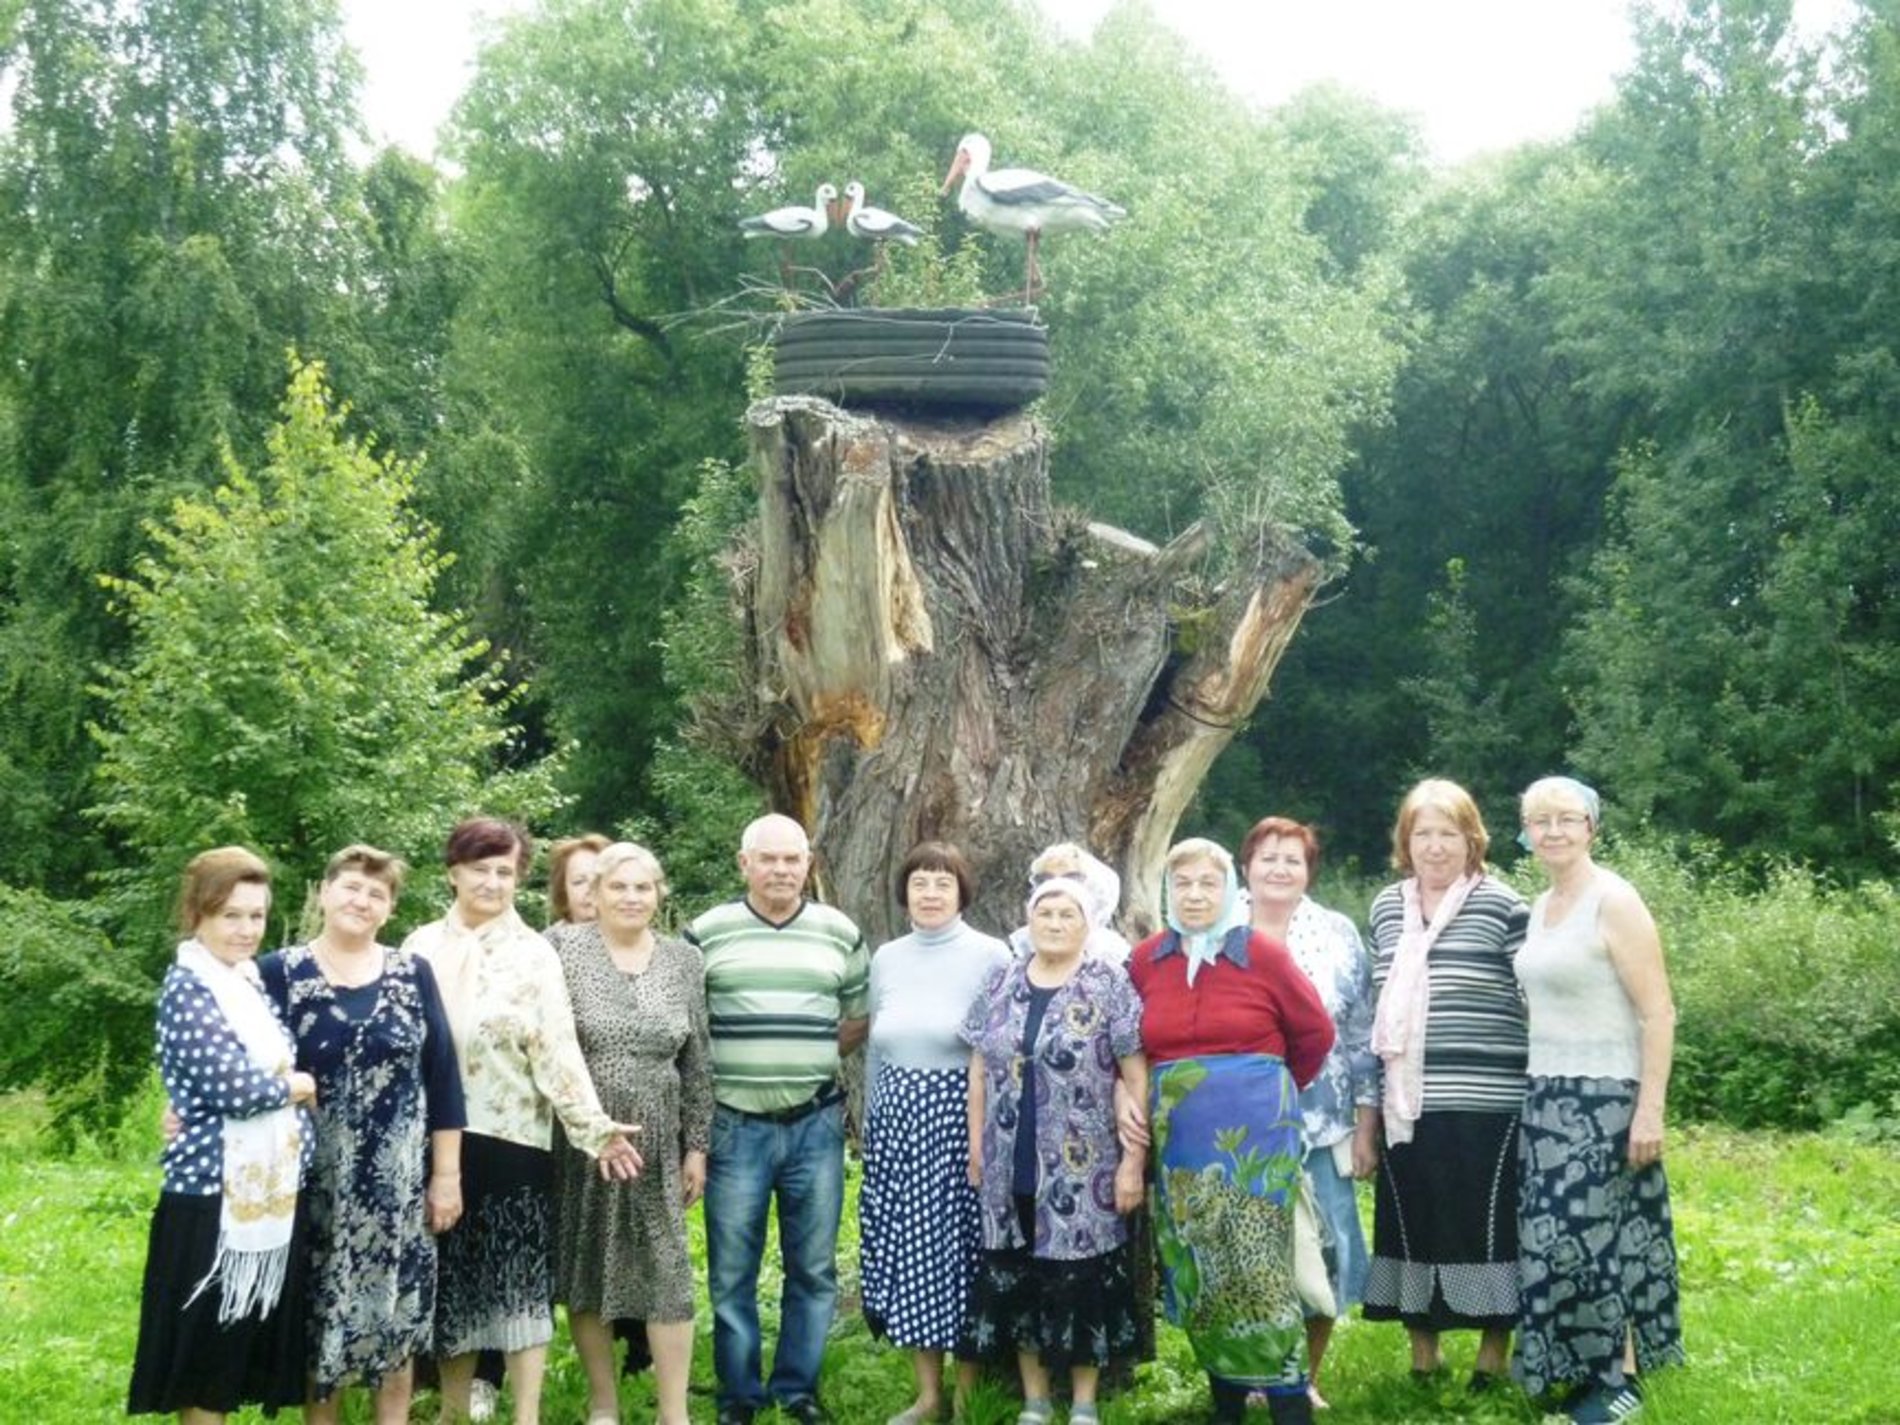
<point x="1276" y="828"/>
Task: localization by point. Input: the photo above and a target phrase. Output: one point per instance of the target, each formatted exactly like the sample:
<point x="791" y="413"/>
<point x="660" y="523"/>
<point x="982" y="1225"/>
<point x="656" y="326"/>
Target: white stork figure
<point x="875" y="224"/>
<point x="1020" y="200"/>
<point x="794" y="222"/>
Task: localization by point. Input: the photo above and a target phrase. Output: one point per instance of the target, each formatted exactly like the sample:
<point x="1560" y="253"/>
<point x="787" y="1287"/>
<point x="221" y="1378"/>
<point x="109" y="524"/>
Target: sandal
<point x="1037" y="1412"/>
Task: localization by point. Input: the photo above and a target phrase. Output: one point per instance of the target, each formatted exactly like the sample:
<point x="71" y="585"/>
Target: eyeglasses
<point x="1561" y="821"/>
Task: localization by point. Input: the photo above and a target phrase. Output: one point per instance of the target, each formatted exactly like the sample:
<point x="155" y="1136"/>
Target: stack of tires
<point x="954" y="356"/>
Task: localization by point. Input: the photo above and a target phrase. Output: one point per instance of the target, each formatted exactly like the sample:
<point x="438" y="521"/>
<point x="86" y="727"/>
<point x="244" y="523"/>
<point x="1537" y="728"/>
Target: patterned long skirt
<point x="1227" y="1140"/>
<point x="917" y="1213"/>
<point x="495" y="1287"/>
<point x="1596" y="1249"/>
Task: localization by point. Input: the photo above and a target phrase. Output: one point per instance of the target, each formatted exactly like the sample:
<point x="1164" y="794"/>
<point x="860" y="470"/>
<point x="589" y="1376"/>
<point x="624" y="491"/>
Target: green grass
<point x="1791" y="1294"/>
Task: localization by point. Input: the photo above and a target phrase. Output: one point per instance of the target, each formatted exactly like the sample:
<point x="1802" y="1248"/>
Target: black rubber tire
<point x="939" y="390"/>
<point x="961" y="356"/>
<point x="921" y="367"/>
<point x="926" y="349"/>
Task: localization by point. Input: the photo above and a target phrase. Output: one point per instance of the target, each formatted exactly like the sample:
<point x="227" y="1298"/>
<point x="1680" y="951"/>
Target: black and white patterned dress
<point x="620" y="1248"/>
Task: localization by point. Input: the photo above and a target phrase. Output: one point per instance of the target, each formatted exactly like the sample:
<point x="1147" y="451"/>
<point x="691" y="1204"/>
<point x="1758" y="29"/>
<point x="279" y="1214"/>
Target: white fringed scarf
<point x="262" y="1154"/>
<point x="1398" y="1029"/>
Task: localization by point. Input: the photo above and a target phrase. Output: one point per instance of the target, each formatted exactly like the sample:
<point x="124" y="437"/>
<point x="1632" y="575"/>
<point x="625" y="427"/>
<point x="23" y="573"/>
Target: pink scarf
<point x="1398" y="1030"/>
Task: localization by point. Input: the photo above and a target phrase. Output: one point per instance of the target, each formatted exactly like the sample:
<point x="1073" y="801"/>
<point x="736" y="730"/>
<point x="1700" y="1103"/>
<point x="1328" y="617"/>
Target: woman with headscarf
<point x="368" y="1023"/>
<point x="1050" y="1036"/>
<point x="918" y="1224"/>
<point x="221" y="1318"/>
<point x="1596" y="1247"/>
<point x="1232" y="1030"/>
<point x="521" y="1066"/>
<point x="1104" y="889"/>
<point x="1449" y="1029"/>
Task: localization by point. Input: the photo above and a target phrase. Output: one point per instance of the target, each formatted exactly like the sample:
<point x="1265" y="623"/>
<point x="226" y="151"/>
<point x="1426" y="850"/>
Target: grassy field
<point x="1790" y="1249"/>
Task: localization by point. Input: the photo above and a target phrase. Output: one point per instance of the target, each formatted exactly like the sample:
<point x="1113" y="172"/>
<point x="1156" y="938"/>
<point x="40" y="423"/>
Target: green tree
<point x="175" y="209"/>
<point x="290" y="686"/>
<point x="1212" y="355"/>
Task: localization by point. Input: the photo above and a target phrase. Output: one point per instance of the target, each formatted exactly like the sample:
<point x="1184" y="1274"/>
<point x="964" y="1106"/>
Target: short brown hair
<point x="479" y="837"/>
<point x="559" y="854"/>
<point x="384" y="866"/>
<point x="1437" y="794"/>
<point x="1280" y="828"/>
<point x="937" y="856"/>
<point x="210" y="878"/>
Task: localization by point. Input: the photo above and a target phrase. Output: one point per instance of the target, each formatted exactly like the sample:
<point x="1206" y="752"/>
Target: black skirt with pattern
<point x="1070" y="1313"/>
<point x="1596" y="1246"/>
<point x="1444" y="1226"/>
<point x="495" y="1272"/>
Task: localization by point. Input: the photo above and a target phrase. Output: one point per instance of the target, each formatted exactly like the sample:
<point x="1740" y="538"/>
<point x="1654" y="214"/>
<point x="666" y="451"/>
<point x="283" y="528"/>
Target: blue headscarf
<point x="1582" y="791"/>
<point x="1203" y="947"/>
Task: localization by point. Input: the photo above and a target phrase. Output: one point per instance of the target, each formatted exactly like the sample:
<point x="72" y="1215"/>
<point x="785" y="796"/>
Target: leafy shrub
<point x="1787" y="990"/>
<point x="75" y="1015"/>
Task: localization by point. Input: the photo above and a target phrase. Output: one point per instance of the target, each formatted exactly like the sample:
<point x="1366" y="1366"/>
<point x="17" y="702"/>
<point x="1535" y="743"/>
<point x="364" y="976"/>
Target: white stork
<point x="794" y="222"/>
<point x="1020" y="200"/>
<point x="875" y="224"/>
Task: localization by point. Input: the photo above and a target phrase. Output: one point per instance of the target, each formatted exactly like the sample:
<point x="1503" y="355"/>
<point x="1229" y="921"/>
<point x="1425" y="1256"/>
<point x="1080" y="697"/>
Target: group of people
<point x="382" y="1154"/>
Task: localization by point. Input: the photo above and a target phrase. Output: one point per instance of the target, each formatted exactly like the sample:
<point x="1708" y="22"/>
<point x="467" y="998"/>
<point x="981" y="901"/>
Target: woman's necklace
<point x="631" y="959"/>
<point x="348" y="969"/>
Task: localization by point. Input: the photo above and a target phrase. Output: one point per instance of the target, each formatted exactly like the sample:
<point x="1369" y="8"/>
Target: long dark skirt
<point x="186" y="1356"/>
<point x="1596" y="1251"/>
<point x="917" y="1213"/>
<point x="1444" y="1226"/>
<point x="496" y="1274"/>
<point x="1079" y="1313"/>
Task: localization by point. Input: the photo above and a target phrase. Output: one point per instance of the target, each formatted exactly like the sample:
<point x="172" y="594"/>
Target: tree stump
<point x="936" y="650"/>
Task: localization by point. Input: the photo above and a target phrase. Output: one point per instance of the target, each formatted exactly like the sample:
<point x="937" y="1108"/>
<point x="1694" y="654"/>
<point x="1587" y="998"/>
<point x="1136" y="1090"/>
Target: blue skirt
<point x="918" y="1227"/>
<point x="1596" y="1248"/>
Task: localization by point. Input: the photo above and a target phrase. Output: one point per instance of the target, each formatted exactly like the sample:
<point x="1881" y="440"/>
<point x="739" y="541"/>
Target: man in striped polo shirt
<point x="787" y="986"/>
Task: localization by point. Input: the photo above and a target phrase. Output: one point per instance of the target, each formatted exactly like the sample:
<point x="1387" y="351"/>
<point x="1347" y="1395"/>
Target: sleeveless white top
<point x="1582" y="1024"/>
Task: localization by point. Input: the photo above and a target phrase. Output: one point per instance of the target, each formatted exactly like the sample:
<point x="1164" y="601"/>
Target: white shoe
<point x="482" y="1400"/>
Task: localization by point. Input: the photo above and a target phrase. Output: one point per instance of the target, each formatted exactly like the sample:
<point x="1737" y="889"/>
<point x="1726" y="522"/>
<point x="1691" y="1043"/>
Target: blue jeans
<point x="802" y="1165"/>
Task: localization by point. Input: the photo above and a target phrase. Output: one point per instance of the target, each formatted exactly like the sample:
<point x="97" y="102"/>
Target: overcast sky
<point x="1476" y="74"/>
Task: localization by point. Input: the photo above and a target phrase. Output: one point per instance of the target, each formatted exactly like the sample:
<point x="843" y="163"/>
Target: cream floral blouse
<point x="514" y="1032"/>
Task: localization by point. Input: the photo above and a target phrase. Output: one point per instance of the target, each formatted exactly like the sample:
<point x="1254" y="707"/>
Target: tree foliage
<point x="175" y="209"/>
<point x="290" y="687"/>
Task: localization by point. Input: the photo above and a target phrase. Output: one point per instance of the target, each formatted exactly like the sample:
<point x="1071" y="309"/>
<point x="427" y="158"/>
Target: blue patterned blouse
<point x="1093" y="1022"/>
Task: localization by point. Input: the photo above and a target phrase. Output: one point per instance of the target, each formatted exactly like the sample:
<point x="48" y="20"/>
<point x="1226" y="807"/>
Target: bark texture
<point x="937" y="651"/>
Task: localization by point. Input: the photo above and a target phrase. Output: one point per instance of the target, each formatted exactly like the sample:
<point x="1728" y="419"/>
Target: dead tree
<point x="936" y="650"/>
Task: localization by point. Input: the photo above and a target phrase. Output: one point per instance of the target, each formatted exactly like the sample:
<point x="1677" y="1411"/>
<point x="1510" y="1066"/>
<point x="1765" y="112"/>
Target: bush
<point x="1787" y="990"/>
<point x="75" y="1016"/>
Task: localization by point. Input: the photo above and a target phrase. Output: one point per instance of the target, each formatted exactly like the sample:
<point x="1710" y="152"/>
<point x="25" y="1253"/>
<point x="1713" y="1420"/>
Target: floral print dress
<point x="386" y="1078"/>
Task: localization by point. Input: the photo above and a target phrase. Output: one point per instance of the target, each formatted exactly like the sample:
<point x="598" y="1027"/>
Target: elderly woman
<point x="221" y="1320"/>
<point x="918" y="1224"/>
<point x="1104" y="887"/>
<point x="1232" y="1028"/>
<point x="369" y="1026"/>
<point x="1339" y="1109"/>
<point x="1050" y="1037"/>
<point x="572" y="865"/>
<point x="1449" y="1029"/>
<point x="620" y="1247"/>
<point x="1596" y="1249"/>
<point x="521" y="1067"/>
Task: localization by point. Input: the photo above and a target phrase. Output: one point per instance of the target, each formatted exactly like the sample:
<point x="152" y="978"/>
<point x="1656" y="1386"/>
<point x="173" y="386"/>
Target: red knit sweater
<point x="1266" y="1006"/>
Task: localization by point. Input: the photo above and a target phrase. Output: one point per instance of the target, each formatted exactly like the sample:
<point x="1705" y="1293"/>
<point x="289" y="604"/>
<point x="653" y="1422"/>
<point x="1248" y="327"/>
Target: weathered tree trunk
<point x="939" y="652"/>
